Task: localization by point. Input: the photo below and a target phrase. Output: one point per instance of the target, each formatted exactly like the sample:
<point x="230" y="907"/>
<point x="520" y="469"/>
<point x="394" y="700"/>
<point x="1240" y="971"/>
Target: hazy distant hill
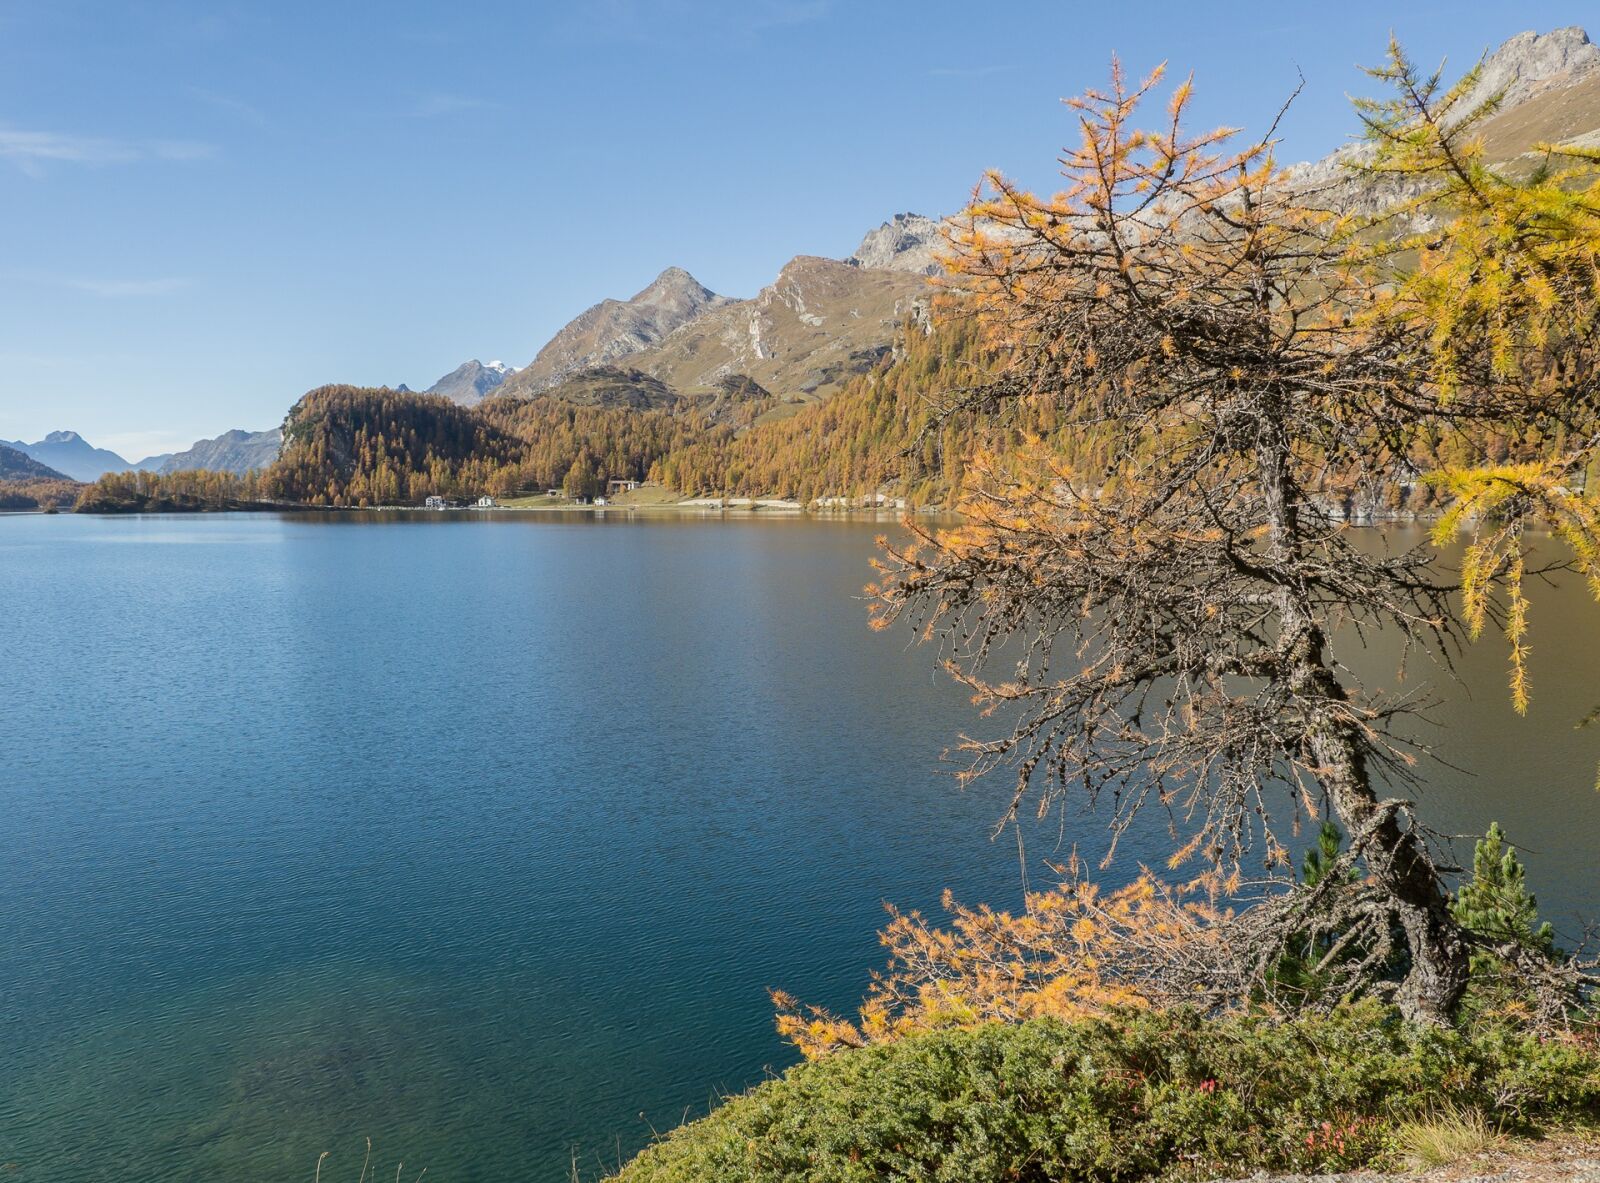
<point x="69" y="453"/>
<point x="17" y="465"/>
<point x="232" y="451"/>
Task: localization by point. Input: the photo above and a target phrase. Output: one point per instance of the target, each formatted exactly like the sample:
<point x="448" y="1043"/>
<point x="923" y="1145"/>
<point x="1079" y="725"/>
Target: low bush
<point x="1132" y="1096"/>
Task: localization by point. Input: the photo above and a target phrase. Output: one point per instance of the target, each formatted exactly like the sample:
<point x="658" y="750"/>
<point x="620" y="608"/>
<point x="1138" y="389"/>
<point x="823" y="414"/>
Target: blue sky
<point x="208" y="208"/>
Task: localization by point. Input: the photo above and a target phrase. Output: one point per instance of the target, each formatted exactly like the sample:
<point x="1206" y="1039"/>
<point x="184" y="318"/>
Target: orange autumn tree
<point x="1073" y="951"/>
<point x="1165" y="633"/>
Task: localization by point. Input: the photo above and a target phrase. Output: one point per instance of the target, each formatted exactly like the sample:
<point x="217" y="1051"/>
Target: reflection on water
<point x="486" y="839"/>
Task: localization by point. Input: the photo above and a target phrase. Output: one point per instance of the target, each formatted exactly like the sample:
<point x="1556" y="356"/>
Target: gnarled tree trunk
<point x="1397" y="861"/>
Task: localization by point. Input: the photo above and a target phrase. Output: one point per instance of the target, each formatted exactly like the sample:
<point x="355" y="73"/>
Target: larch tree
<point x="1255" y="354"/>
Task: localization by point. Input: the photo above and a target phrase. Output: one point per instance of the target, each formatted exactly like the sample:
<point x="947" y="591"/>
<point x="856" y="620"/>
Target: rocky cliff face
<point x="1532" y="64"/>
<point x="614" y="329"/>
<point x="471" y="382"/>
<point x="906" y="242"/>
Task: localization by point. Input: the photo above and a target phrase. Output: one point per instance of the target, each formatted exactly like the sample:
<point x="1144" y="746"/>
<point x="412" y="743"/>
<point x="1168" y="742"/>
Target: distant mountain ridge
<point x="69" y="453"/>
<point x="799" y="338"/>
<point x="234" y="451"/>
<point x="17" y="465"/>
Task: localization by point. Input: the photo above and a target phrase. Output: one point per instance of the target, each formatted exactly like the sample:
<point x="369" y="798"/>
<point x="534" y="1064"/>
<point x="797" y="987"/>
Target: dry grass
<point x="366" y="1163"/>
<point x="1446" y="1136"/>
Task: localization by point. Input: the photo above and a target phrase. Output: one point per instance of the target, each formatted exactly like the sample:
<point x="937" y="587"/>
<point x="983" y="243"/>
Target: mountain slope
<point x="1532" y="65"/>
<point x="613" y="386"/>
<point x="1549" y="87"/>
<point x="614" y="329"/>
<point x="68" y="452"/>
<point x="471" y="381"/>
<point x="820" y="322"/>
<point x="235" y="451"/>
<point x="16" y="465"/>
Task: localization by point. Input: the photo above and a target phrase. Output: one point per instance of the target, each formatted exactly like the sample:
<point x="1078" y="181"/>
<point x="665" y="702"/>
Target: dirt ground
<point x="1560" y="1158"/>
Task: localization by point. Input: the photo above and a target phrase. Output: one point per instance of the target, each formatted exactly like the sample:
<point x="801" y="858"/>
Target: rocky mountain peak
<point x="614" y="329"/>
<point x="1529" y="64"/>
<point x="1549" y="88"/>
<point x="906" y="242"/>
<point x="471" y="381"/>
<point x="674" y="292"/>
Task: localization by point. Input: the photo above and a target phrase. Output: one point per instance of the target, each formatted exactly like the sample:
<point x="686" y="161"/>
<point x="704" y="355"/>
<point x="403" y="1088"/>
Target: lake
<point x="486" y="835"/>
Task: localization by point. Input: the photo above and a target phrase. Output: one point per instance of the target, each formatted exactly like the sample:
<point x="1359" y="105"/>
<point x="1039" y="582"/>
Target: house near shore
<point x="435" y="502"/>
<point x="486" y="502"/>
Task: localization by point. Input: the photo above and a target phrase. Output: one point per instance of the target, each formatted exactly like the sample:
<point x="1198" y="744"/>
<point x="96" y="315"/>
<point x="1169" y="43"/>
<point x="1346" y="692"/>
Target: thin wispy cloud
<point x="688" y="21"/>
<point x="229" y="105"/>
<point x="435" y="105"/>
<point x="124" y="289"/>
<point x="776" y="13"/>
<point x="139" y="445"/>
<point x="33" y="151"/>
<point x="969" y="71"/>
<point x="108" y="289"/>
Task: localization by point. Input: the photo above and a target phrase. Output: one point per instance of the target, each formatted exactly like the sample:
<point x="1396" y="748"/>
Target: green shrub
<point x="1146" y="1094"/>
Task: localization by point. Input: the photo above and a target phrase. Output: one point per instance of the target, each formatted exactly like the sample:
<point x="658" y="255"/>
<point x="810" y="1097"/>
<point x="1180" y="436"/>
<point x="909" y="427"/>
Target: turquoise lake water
<point x="485" y="836"/>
